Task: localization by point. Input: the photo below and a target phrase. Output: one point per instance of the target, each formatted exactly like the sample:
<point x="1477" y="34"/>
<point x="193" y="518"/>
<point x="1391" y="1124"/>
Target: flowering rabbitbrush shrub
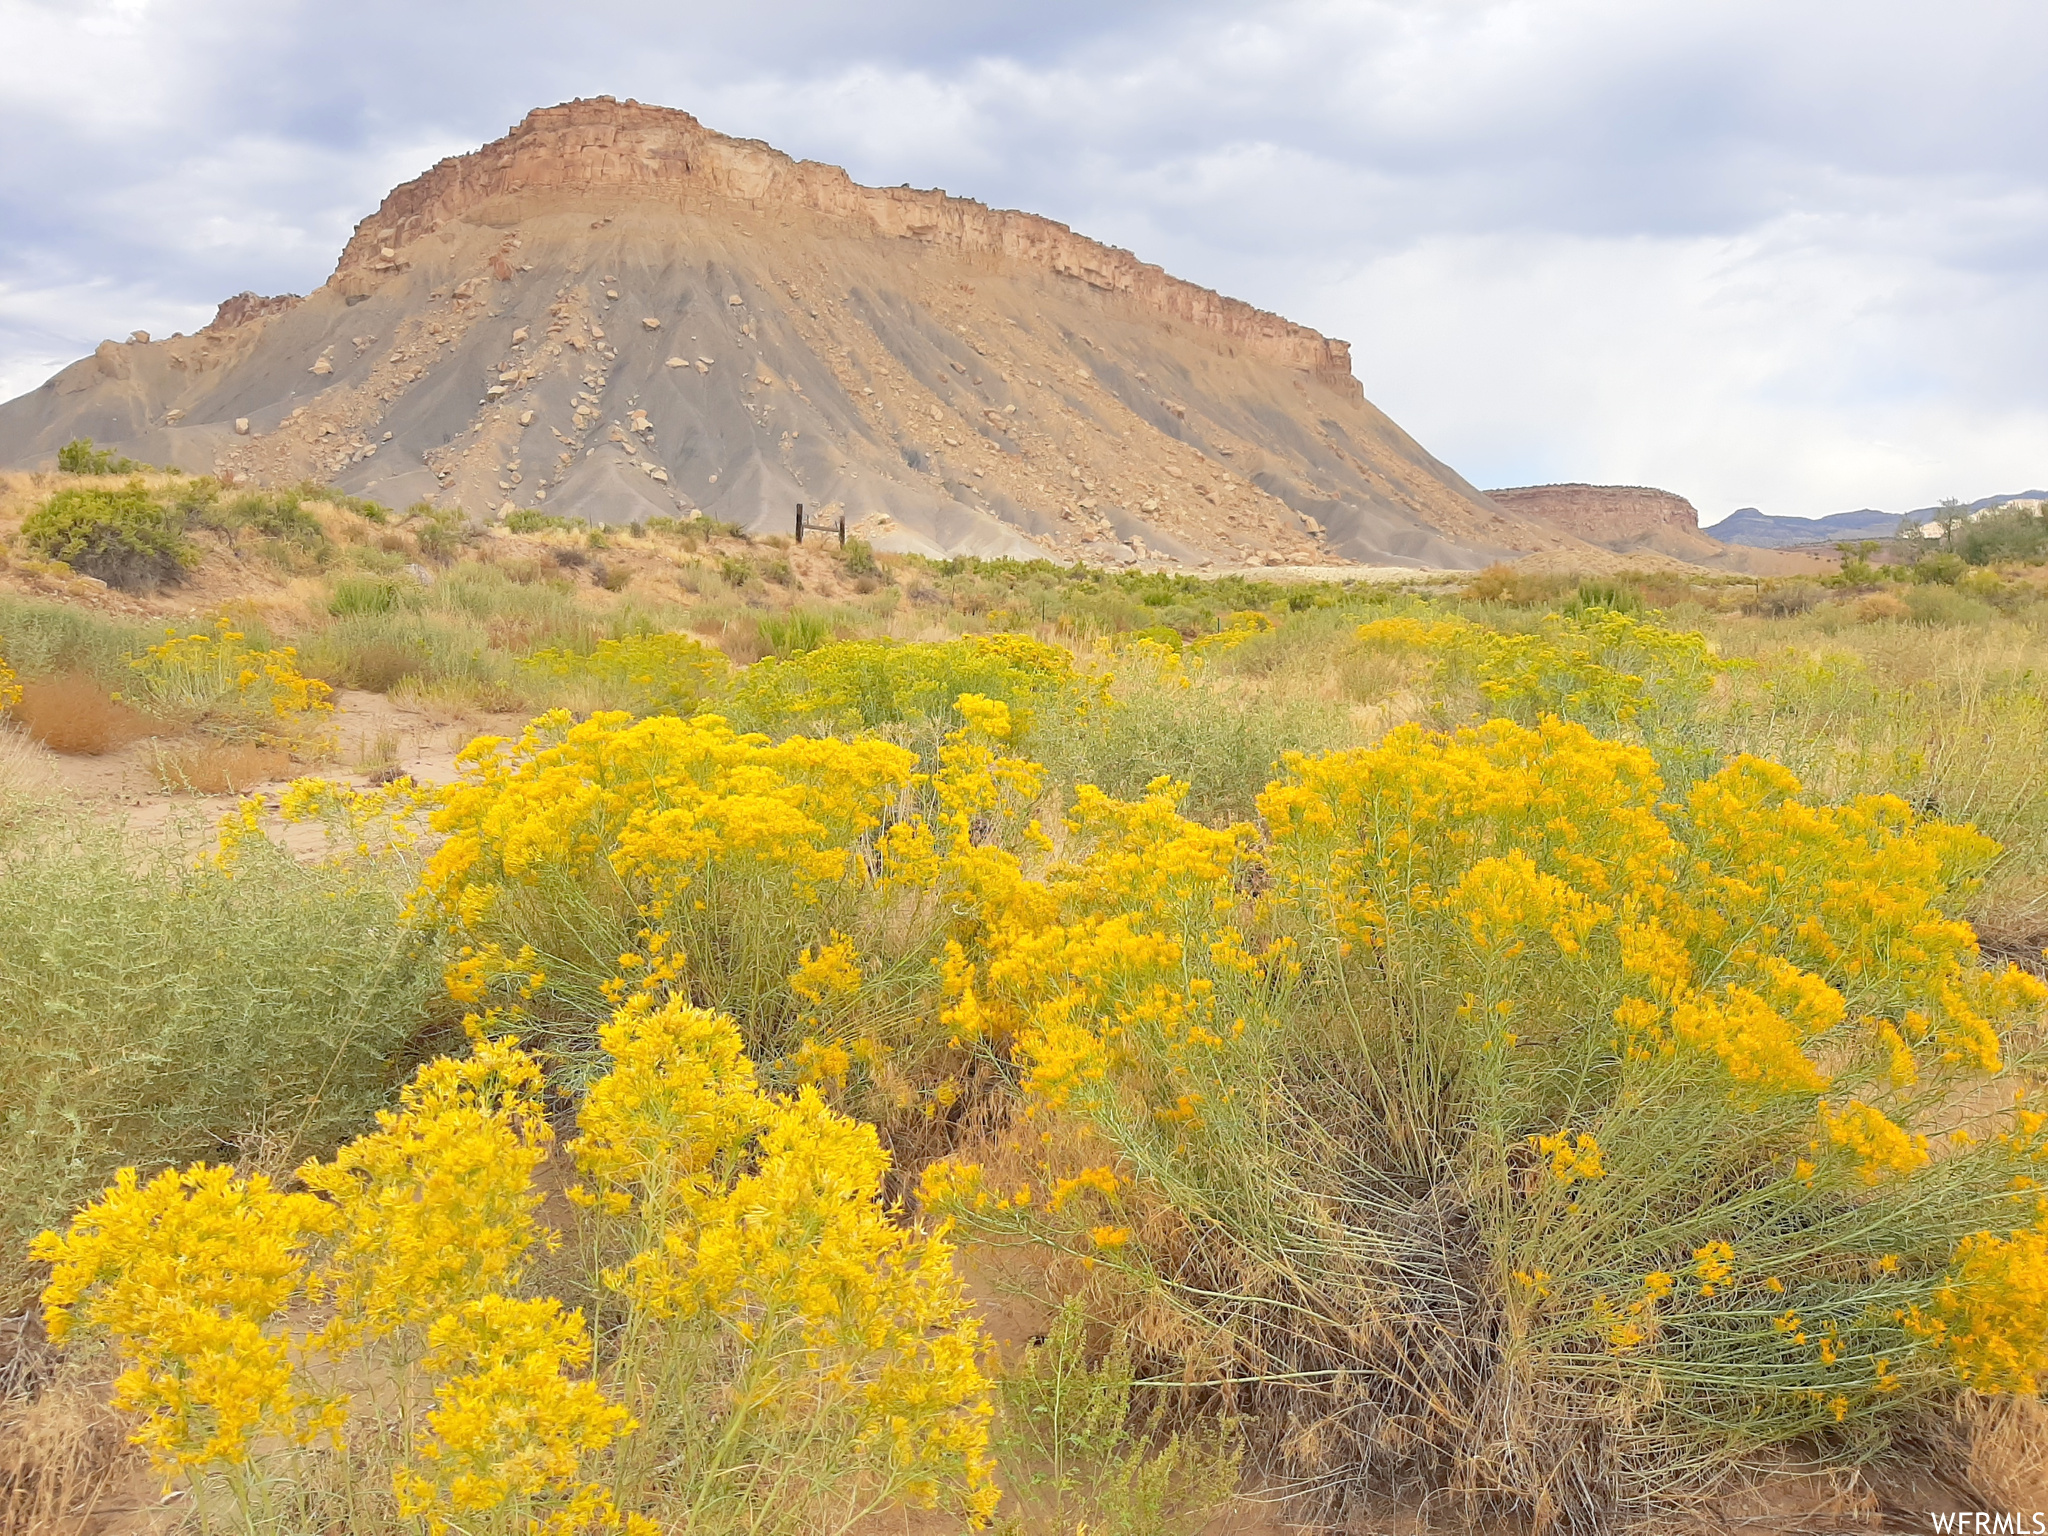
<point x="791" y="1357"/>
<point x="578" y="842"/>
<point x="225" y="685"/>
<point x="1528" y="1133"/>
<point x="1558" y="1123"/>
<point x="857" y="685"/>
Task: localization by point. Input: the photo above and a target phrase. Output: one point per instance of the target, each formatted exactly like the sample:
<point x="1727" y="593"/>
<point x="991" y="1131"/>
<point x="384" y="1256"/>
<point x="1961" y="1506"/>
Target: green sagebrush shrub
<point x="160" y="1012"/>
<point x="125" y="536"/>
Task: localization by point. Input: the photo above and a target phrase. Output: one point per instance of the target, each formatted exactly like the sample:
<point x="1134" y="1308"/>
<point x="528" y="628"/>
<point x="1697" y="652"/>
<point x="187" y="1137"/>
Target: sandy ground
<point x="135" y="786"/>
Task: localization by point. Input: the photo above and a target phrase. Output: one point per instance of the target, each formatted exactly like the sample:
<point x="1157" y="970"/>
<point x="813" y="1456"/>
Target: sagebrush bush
<point x="80" y="457"/>
<point x="162" y="1012"/>
<point x="125" y="536"/>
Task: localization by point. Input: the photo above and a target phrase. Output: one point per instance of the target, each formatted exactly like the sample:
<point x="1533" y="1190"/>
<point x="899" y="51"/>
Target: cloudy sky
<point x="1783" y="253"/>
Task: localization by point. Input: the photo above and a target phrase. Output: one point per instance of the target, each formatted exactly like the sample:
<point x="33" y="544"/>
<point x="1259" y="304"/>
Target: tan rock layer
<point x="1602" y="514"/>
<point x="626" y="150"/>
<point x="246" y="306"/>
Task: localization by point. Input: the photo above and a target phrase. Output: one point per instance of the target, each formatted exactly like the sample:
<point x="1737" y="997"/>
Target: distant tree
<point x="1912" y="539"/>
<point x="2015" y="532"/>
<point x="1857" y="571"/>
<point x="1951" y="515"/>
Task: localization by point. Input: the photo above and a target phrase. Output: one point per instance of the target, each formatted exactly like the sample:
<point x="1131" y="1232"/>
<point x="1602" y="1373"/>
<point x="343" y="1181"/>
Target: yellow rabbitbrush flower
<point x="1571" y="1157"/>
<point x="1601" y="665"/>
<point x="832" y="971"/>
<point x="646" y="674"/>
<point x="678" y="1102"/>
<point x="1990" y="1316"/>
<point x="437" y="1205"/>
<point x="510" y="1424"/>
<point x="10" y="687"/>
<point x="1882" y="1146"/>
<point x="761" y="1220"/>
<point x="222" y="678"/>
<point x="189" y="1275"/>
<point x="661" y="824"/>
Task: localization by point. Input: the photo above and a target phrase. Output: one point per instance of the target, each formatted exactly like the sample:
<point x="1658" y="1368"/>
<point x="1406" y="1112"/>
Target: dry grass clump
<point x="67" y="1467"/>
<point x="220" y="767"/>
<point x="74" y="713"/>
<point x="2008" y="1449"/>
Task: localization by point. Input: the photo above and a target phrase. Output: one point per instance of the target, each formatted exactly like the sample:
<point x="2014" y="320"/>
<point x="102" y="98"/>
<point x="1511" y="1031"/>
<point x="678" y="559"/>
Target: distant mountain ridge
<point x="1760" y="530"/>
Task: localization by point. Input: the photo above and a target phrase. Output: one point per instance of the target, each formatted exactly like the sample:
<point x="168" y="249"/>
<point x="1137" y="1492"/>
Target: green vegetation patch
<point x="124" y="535"/>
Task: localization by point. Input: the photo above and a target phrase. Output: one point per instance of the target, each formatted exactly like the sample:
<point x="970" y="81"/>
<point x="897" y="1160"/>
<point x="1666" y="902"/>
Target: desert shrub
<point x="1938" y="606"/>
<point x="642" y="674"/>
<point x="354" y="595"/>
<point x="1782" y="600"/>
<point x="40" y="636"/>
<point x="793" y="633"/>
<point x="268" y="514"/>
<point x="378" y="651"/>
<point x="737" y="847"/>
<point x="72" y="712"/>
<point x="855" y="685"/>
<point x="438" y="531"/>
<point x="1607" y="669"/>
<point x="737" y="570"/>
<point x="1501" y="583"/>
<point x="1487" y="1043"/>
<point x="162" y="1012"/>
<point x="532" y="520"/>
<point x="2018" y="532"/>
<point x="124" y="536"/>
<point x="786" y="1359"/>
<point x="1083" y="1457"/>
<point x="79" y="457"/>
<point x="220" y="683"/>
<point x="859" y="556"/>
<point x="1882" y="606"/>
<point x="1602" y="596"/>
<point x="220" y="767"/>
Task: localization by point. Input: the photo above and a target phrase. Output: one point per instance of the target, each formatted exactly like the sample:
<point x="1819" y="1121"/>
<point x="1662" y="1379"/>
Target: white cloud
<point x="1755" y="252"/>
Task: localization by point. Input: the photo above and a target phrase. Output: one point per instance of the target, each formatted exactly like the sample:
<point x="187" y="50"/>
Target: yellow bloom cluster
<point x="1990" y="1316"/>
<point x="510" y="1424"/>
<point x="10" y="688"/>
<point x="1883" y="1147"/>
<point x="1601" y="665"/>
<point x="436" y="1205"/>
<point x="220" y="677"/>
<point x="1571" y="1157"/>
<point x="854" y="685"/>
<point x="1237" y="629"/>
<point x="189" y="1274"/>
<point x="763" y="1216"/>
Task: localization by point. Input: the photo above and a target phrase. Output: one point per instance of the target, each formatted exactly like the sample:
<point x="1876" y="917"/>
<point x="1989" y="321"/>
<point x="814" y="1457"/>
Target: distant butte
<point x="615" y="312"/>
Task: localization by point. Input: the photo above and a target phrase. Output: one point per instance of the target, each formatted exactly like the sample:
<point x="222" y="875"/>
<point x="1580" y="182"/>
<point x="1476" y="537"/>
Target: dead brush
<point x="66" y="1465"/>
<point x="220" y="767"/>
<point x="2007" y="1449"/>
<point x="71" y="712"/>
